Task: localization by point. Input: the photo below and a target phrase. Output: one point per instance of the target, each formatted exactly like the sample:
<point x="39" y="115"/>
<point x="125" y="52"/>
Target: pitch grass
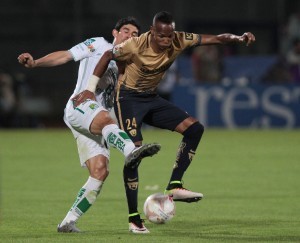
<point x="250" y="180"/>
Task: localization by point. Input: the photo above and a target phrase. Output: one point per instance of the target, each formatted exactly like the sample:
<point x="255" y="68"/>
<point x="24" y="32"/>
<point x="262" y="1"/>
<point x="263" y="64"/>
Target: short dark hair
<point x="127" y="20"/>
<point x="164" y="17"/>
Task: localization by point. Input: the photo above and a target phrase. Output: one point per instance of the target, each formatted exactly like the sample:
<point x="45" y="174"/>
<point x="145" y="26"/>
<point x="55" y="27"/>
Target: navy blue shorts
<point x="134" y="108"/>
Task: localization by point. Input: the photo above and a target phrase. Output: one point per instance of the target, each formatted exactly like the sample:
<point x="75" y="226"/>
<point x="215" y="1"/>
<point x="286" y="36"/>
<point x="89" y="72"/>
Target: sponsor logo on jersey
<point x="188" y="36"/>
<point x="89" y="45"/>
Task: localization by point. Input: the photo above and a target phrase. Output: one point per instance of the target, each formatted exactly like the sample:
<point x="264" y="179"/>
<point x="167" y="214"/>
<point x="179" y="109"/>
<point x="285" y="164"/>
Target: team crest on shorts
<point x="133" y="132"/>
<point x="93" y="106"/>
<point x="189" y="36"/>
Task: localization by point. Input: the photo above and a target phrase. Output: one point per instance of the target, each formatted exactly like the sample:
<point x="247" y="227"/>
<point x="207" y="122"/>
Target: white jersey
<point x="89" y="53"/>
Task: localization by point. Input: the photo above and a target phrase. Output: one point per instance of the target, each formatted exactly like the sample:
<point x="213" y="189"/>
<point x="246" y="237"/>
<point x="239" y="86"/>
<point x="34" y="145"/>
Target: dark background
<point x="43" y="26"/>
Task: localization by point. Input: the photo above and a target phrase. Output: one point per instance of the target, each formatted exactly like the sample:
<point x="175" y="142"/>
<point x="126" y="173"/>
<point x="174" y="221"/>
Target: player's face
<point x="125" y="33"/>
<point x="163" y="35"/>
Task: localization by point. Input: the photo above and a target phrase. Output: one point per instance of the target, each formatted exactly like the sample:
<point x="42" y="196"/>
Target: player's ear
<point x="115" y="33"/>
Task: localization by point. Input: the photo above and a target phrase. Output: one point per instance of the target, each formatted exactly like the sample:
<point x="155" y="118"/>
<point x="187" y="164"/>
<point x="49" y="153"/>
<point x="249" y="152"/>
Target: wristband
<point x="92" y="83"/>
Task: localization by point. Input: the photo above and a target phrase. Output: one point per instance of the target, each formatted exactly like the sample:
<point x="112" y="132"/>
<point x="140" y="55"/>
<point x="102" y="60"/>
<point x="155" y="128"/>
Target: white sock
<point x="85" y="198"/>
<point x="118" y="139"/>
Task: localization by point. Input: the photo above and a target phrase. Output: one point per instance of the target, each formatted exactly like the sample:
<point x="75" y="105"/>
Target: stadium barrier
<point x="244" y="106"/>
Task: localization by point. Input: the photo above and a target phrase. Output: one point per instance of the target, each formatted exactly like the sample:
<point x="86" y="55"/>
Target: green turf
<point x="250" y="180"/>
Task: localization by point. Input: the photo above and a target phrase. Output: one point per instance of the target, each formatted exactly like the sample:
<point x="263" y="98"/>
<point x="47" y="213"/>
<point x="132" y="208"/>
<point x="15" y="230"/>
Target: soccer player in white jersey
<point x="91" y="124"/>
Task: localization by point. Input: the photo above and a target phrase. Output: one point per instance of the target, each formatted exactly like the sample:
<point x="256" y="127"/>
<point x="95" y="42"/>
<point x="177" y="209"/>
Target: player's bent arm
<point x="89" y="92"/>
<point x="99" y="70"/>
<point x="103" y="63"/>
<point x="225" y="38"/>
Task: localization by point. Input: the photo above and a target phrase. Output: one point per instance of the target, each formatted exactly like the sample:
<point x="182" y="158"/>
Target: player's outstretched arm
<point x="53" y="59"/>
<point x="247" y="38"/>
<point x="89" y="92"/>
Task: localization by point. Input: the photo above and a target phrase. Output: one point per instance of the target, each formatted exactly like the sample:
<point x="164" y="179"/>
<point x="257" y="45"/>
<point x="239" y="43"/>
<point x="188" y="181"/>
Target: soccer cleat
<point x="135" y="157"/>
<point x="181" y="194"/>
<point x="136" y="225"/>
<point x="68" y="228"/>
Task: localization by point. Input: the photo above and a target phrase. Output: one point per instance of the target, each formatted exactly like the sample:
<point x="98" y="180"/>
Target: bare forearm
<point x="219" y="39"/>
<point x="53" y="59"/>
<point x="89" y="92"/>
<point x="99" y="70"/>
<point x="103" y="64"/>
<point x="226" y="38"/>
<point x="50" y="60"/>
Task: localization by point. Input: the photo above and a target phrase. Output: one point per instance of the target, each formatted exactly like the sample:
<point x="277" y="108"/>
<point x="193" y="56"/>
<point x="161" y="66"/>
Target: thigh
<point x="165" y="115"/>
<point x="81" y="117"/>
<point x="130" y="114"/>
<point x="89" y="148"/>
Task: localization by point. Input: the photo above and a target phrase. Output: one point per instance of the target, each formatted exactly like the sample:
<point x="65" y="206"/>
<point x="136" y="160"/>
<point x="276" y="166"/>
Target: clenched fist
<point x="27" y="60"/>
<point x="248" y="38"/>
<point x="83" y="96"/>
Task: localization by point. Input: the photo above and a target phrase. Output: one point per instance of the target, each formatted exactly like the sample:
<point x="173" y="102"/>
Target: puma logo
<point x="133" y="185"/>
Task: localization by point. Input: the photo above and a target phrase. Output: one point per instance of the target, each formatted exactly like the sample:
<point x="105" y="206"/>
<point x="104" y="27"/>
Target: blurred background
<point x="229" y="86"/>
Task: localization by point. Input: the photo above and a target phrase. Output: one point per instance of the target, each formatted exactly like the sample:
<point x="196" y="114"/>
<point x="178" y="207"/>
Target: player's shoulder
<point x="133" y="45"/>
<point x="97" y="44"/>
<point x="144" y="36"/>
<point x="141" y="42"/>
<point x="97" y="41"/>
<point x="185" y="38"/>
<point x="184" y="35"/>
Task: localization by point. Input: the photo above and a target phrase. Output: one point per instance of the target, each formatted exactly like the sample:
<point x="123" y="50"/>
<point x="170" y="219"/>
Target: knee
<point x="105" y="173"/>
<point x="101" y="120"/>
<point x="200" y="128"/>
<point x="194" y="131"/>
<point x="100" y="171"/>
<point x="106" y="118"/>
<point x="100" y="174"/>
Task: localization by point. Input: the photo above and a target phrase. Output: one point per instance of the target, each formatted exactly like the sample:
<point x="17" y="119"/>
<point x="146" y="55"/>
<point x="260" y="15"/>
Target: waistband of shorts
<point x="125" y="88"/>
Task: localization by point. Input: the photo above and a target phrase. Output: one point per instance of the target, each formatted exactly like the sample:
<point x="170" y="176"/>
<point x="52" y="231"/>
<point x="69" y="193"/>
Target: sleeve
<point x="125" y="50"/>
<point x="186" y="39"/>
<point x="85" y="49"/>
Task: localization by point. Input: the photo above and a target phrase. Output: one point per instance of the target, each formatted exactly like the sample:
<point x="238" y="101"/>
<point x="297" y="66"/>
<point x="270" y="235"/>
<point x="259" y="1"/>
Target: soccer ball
<point x="159" y="208"/>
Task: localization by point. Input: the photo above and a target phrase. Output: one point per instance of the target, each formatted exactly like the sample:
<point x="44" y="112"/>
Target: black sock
<point x="186" y="152"/>
<point x="136" y="218"/>
<point x="131" y="182"/>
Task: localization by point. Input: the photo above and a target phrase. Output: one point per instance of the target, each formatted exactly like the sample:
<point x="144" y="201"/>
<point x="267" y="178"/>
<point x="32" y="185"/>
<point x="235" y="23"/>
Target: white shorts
<point x="79" y="121"/>
<point x="89" y="148"/>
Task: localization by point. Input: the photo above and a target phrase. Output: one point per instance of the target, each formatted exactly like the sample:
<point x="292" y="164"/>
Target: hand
<point x="83" y="96"/>
<point x="248" y="38"/>
<point x="27" y="60"/>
